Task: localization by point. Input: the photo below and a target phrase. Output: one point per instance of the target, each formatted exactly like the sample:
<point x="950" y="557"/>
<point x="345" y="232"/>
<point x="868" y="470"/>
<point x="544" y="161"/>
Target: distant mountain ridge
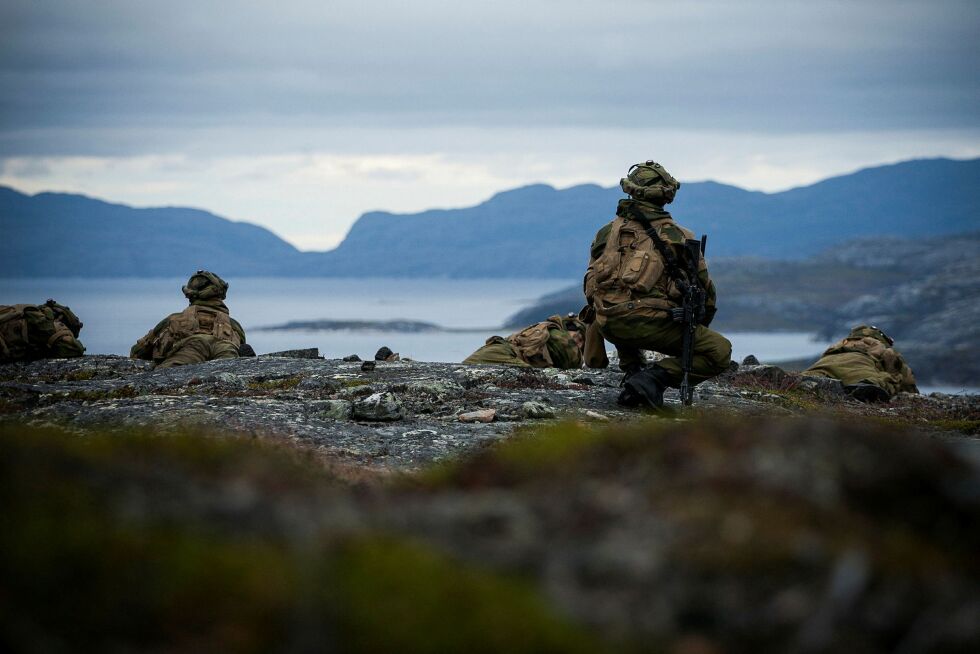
<point x="533" y="231"/>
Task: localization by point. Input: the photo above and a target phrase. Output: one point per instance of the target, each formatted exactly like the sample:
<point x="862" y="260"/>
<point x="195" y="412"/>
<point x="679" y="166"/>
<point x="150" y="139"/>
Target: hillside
<point x="534" y="231"/>
<point x="62" y="235"/>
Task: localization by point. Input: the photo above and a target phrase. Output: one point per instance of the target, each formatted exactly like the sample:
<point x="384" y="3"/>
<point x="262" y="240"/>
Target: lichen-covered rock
<point x="537" y="410"/>
<point x="378" y="407"/>
<point x="335" y="409"/>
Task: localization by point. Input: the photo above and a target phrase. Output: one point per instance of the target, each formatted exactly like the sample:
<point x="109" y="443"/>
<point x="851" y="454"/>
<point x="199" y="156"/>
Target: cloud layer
<point x="240" y="106"/>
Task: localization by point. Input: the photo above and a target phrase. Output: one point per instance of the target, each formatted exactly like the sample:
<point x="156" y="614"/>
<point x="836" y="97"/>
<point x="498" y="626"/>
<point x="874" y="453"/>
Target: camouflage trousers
<point x="630" y="334"/>
<point x="198" y="349"/>
<point x="499" y="351"/>
<point x="853" y="368"/>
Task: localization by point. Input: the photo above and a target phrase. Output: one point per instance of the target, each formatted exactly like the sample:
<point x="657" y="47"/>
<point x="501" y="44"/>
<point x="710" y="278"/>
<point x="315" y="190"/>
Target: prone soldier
<point x="202" y="332"/>
<point x="554" y="343"/>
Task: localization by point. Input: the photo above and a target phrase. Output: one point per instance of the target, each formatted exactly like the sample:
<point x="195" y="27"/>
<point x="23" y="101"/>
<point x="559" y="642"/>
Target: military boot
<point x="629" y="371"/>
<point x="865" y="392"/>
<point x="645" y="388"/>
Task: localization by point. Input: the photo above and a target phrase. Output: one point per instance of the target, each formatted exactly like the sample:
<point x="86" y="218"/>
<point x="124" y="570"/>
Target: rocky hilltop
<point x="402" y="414"/>
<point x="305" y="505"/>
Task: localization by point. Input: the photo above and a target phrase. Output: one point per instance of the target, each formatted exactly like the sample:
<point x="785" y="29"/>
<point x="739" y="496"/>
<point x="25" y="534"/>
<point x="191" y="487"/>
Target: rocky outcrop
<point x="400" y="414"/>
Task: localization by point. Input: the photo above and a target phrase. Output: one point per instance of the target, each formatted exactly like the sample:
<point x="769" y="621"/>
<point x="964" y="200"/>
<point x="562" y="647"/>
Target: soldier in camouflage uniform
<point x="867" y="364"/>
<point x="555" y="343"/>
<point x="631" y="285"/>
<point x="43" y="331"/>
<point x="201" y="332"/>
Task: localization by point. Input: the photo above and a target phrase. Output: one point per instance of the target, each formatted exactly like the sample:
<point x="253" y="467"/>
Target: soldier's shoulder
<point x="671" y="231"/>
<point x="603" y="232"/>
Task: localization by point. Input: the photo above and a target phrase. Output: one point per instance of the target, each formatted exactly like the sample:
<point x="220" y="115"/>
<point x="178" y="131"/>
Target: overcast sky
<point x="301" y="115"/>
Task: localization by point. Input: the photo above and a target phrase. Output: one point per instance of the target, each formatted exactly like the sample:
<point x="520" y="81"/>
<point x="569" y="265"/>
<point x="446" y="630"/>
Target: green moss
<point x="80" y="375"/>
<point x="399" y="596"/>
<point x="282" y="384"/>
<point x="965" y="426"/>
<point x="354" y="383"/>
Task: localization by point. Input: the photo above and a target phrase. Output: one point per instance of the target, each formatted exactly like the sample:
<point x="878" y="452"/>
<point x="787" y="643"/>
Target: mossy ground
<point x="132" y="540"/>
<point x="120" y="541"/>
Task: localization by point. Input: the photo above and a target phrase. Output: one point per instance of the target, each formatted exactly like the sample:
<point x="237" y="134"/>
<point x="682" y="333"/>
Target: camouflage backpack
<point x="193" y="320"/>
<point x="31" y="331"/>
<point x="531" y="343"/>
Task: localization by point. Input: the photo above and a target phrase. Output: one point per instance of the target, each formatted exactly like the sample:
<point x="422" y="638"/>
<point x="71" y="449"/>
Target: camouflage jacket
<point x="628" y="274"/>
<point x="547" y="344"/>
<point x="202" y="317"/>
<point x="876" y="362"/>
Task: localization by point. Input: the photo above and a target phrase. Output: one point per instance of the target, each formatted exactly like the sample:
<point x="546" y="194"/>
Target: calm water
<point x="116" y="312"/>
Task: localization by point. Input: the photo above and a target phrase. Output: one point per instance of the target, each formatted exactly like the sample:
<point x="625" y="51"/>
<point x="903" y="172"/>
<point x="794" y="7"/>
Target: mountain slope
<point x="55" y="234"/>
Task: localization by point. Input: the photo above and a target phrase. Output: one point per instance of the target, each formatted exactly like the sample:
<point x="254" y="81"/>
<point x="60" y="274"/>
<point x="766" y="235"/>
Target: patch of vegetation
<point x="965" y="426"/>
<point x="281" y="384"/>
<point x="354" y="383"/>
<point x="526" y="379"/>
<point x="91" y="553"/>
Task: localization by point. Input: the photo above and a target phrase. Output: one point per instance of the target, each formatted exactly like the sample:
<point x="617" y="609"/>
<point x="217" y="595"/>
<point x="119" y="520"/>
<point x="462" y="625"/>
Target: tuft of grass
<point x="402" y="596"/>
<point x="80" y="375"/>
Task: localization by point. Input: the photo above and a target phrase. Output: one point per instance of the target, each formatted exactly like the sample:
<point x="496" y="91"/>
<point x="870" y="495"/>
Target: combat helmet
<point x="870" y="331"/>
<point x="204" y="285"/>
<point x="650" y="182"/>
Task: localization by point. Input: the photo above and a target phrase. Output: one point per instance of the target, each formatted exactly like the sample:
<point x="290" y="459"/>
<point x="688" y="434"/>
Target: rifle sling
<point x="670" y="261"/>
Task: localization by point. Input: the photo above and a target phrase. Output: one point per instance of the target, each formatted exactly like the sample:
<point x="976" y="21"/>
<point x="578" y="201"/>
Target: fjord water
<point x="116" y="312"/>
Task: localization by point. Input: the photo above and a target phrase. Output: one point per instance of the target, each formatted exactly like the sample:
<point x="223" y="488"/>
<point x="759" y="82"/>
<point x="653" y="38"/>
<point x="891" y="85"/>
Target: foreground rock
<point x="401" y="414"/>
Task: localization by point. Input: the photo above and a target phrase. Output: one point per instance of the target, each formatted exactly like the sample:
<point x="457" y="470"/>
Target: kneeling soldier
<point x="640" y="270"/>
<point x="555" y="343"/>
<point x="202" y="332"/>
<point x="867" y="364"/>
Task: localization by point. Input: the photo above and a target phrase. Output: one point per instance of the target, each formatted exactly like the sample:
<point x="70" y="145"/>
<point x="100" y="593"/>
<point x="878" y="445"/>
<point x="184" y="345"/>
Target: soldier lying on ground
<point x="636" y="271"/>
<point x="555" y="343"/>
<point x="201" y="332"/>
<point x="867" y="364"/>
<point x="38" y="331"/>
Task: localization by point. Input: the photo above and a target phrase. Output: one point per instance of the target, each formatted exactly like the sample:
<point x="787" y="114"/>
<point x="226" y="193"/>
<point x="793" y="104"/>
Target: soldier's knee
<point x="718" y="353"/>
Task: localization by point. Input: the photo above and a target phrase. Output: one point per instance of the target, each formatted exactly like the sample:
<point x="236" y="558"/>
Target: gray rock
<point x="352" y="357"/>
<point x="822" y="386"/>
<point x="368" y="366"/>
<point x="750" y="360"/>
<point x="379" y="407"/>
<point x="537" y="410"/>
<point x="335" y="409"/>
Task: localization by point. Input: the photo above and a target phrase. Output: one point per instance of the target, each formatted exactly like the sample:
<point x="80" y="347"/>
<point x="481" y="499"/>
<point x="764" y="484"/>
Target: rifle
<point x="691" y="311"/>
